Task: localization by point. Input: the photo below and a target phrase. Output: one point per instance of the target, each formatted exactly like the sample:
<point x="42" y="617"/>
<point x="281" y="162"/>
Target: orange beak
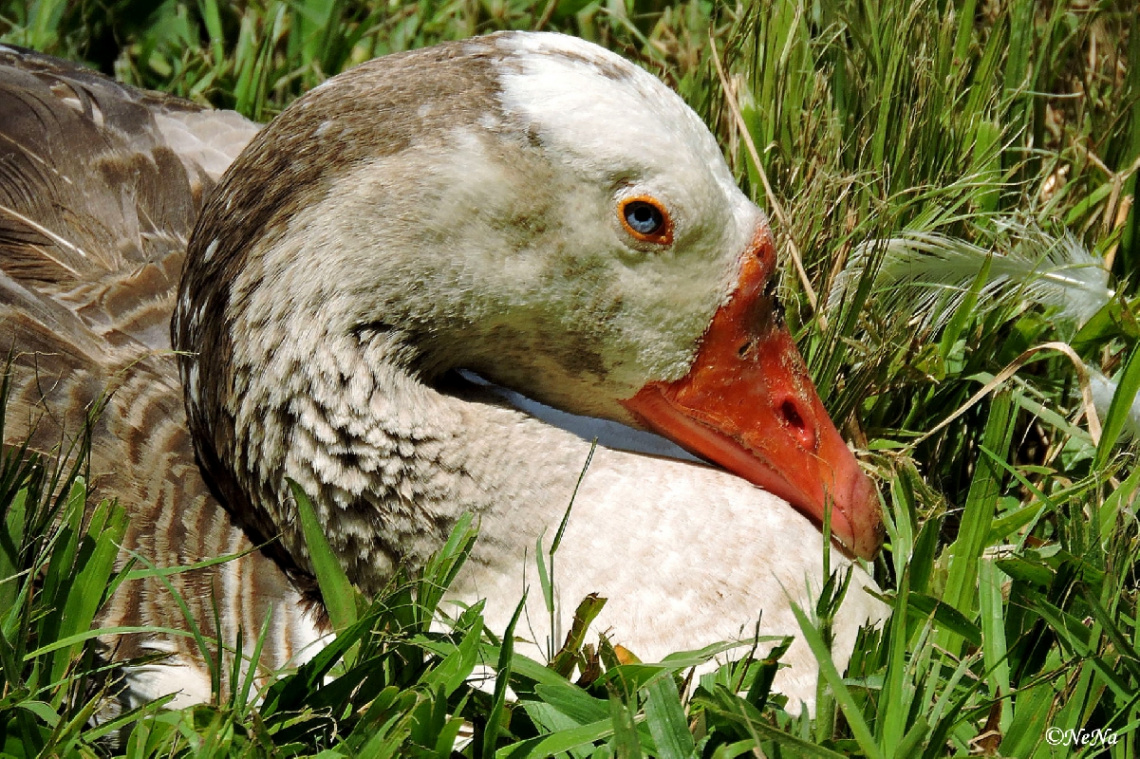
<point x="749" y="405"/>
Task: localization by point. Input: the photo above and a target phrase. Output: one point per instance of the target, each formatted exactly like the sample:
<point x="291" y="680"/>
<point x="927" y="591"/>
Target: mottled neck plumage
<point x="390" y="461"/>
<point x="276" y="385"/>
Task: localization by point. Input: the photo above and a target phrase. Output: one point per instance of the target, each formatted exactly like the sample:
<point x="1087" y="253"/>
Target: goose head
<point x="527" y="206"/>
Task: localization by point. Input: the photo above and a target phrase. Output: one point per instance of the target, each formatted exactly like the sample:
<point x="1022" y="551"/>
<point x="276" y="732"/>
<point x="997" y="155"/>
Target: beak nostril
<point x="742" y="351"/>
<point x="800" y="423"/>
<point x="792" y="415"/>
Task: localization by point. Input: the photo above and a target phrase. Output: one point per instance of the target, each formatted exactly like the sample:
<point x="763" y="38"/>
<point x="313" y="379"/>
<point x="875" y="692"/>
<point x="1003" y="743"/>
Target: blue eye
<point x="647" y="220"/>
<point x="643" y="218"/>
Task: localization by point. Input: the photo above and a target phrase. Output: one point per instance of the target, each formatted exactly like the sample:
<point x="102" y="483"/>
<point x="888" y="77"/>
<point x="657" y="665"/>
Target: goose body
<point x="528" y="207"/>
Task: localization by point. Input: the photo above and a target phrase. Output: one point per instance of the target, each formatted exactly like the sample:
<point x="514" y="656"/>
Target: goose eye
<point x="643" y="218"/>
<point x="647" y="220"/>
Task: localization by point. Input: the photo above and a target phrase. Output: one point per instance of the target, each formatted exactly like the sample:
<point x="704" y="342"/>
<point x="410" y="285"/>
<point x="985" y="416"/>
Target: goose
<point x="353" y="295"/>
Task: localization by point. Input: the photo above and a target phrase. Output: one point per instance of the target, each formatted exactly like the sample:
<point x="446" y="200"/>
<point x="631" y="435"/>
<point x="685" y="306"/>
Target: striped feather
<point x="100" y="187"/>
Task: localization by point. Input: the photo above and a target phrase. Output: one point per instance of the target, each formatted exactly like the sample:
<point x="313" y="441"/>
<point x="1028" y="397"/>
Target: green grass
<point x="1012" y="551"/>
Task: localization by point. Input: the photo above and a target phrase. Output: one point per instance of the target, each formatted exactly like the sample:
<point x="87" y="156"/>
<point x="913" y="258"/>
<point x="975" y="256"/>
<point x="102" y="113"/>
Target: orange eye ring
<point x="646" y="219"/>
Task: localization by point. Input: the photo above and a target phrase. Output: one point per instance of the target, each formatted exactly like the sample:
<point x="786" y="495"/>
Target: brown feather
<point x="100" y="186"/>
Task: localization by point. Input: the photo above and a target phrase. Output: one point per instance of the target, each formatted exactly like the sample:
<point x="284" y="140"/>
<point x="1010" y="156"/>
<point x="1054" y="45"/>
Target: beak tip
<point x="865" y="518"/>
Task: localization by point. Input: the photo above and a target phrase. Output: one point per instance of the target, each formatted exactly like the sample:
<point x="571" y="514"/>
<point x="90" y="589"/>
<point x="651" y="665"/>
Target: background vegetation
<point x="952" y="186"/>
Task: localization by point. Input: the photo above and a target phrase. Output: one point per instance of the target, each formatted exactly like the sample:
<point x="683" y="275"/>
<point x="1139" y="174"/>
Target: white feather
<point x="930" y="274"/>
<point x="1103" y="391"/>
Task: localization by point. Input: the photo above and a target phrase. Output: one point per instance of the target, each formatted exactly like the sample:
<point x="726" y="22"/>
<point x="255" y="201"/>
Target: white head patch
<point x="595" y="104"/>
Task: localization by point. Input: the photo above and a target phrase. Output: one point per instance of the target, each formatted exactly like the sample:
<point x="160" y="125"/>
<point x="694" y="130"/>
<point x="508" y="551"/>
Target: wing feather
<point x="100" y="187"/>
